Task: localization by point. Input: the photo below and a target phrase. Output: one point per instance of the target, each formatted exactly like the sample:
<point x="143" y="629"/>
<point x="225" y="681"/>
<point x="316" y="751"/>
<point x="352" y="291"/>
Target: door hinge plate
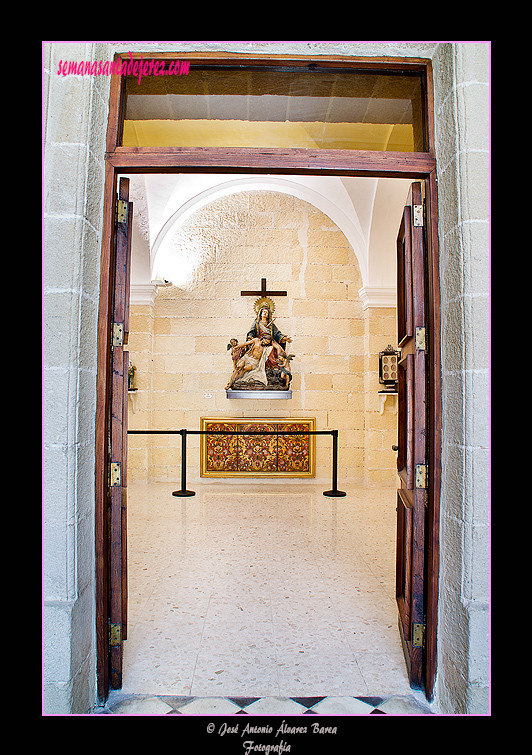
<point x="121" y="211"/>
<point x="115" y="474"/>
<point x="421" y="475"/>
<point x="118" y="334"/>
<point x="421" y="338"/>
<point x="418" y="214"/>
<point x="418" y="635"/>
<point x="115" y="635"/>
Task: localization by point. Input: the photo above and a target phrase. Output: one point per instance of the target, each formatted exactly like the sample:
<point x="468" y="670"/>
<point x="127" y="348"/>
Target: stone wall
<point x="180" y="346"/>
<point x="462" y="138"/>
<point x="74" y="136"/>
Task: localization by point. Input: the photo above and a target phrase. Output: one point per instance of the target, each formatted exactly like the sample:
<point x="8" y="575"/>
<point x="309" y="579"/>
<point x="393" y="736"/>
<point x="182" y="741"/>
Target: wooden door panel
<point x="412" y="435"/>
<point x="124" y="488"/>
<point x="405" y="456"/>
<point x="404" y="278"/>
<point x="118" y="438"/>
<point x="403" y="572"/>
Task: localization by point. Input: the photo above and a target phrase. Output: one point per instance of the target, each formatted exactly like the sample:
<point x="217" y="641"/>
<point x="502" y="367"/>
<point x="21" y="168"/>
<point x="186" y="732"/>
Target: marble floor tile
<point x="217" y="706"/>
<point x="282" y="706"/>
<point x="401" y="706"/>
<point x="273" y="594"/>
<point x="223" y="675"/>
<point x="320" y="673"/>
<point x="342" y="706"/>
<point x="120" y="703"/>
<point x="384" y="671"/>
<point x="143" y="706"/>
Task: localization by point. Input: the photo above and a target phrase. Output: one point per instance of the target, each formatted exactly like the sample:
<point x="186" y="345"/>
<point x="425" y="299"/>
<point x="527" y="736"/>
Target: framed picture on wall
<point x="265" y="452"/>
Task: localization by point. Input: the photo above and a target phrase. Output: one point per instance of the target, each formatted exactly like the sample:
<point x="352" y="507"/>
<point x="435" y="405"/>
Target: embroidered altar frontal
<point x="270" y="455"/>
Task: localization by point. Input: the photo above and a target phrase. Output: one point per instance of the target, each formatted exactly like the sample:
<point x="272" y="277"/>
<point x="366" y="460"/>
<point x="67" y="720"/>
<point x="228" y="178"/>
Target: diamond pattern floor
<point x="125" y="704"/>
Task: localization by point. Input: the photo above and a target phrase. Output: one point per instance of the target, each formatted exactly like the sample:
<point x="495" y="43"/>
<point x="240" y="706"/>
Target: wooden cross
<point x="263" y="291"/>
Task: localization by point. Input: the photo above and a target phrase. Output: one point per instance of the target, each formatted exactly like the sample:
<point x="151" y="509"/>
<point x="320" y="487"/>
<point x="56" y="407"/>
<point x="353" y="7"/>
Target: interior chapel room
<point x="258" y="583"/>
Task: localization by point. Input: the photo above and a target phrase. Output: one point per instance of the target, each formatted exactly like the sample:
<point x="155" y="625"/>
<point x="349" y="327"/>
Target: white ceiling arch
<point x="336" y="204"/>
<point x="367" y="210"/>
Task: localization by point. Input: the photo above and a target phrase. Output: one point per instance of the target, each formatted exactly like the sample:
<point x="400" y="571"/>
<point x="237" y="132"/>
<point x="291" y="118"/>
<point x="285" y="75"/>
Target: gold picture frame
<point x="273" y="455"/>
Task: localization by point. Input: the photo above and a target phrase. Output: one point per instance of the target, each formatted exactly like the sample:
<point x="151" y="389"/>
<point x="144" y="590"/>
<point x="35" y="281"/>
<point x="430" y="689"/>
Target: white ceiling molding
<point x="143" y="293"/>
<point x="378" y="296"/>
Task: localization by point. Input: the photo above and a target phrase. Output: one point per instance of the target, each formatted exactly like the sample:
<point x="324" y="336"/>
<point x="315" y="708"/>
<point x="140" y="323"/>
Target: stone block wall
<point x="74" y="125"/>
<point x="179" y="346"/>
<point x="463" y="144"/>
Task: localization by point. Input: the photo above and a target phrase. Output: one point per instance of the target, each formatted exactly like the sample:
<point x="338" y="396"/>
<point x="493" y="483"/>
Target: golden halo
<point x="264" y="301"/>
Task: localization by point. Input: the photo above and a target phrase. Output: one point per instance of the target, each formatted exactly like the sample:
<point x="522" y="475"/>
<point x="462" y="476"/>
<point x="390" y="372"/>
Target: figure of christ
<point x="254" y="360"/>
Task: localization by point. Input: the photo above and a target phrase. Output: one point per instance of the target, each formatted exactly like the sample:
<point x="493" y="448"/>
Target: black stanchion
<point x="333" y="493"/>
<point x="183" y="493"/>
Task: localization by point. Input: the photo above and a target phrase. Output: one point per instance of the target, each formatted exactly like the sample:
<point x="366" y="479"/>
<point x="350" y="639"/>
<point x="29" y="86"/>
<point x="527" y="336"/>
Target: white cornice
<point x="378" y="296"/>
<point x="143" y="293"/>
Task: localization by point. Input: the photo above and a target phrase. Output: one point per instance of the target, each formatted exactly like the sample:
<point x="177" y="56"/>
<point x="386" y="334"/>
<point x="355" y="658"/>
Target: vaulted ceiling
<point x="367" y="210"/>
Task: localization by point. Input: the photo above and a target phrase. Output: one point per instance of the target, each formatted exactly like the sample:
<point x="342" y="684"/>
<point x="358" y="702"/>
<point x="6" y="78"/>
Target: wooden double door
<point x="415" y="525"/>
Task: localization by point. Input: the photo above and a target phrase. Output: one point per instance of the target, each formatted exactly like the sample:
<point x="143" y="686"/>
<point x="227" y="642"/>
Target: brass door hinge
<point x="115" y="635"/>
<point x="421" y="475"/>
<point x="418" y="635"/>
<point x="418" y="214"/>
<point x="121" y="211"/>
<point x="115" y="474"/>
<point x="421" y="338"/>
<point x="118" y="334"/>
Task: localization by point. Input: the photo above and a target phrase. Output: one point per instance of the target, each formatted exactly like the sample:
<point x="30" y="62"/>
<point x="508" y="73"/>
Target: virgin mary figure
<point x="272" y="343"/>
<point x="265" y="326"/>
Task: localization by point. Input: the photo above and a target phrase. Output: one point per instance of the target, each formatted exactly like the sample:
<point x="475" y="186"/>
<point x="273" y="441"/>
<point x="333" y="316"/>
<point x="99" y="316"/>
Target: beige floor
<point x="278" y="592"/>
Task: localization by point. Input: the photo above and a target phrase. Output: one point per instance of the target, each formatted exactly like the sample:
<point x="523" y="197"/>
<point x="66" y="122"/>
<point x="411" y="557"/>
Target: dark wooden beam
<point x="337" y="162"/>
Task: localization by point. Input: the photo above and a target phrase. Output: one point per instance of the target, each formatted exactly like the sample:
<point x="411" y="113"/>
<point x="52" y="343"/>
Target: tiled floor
<point x="272" y="595"/>
<point x="124" y="704"/>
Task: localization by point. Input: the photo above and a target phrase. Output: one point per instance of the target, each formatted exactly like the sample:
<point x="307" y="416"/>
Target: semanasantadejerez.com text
<point x="124" y="67"/>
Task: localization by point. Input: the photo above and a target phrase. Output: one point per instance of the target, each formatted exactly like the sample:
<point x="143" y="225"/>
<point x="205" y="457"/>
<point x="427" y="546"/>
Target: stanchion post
<point x="183" y="493"/>
<point x="334" y="493"/>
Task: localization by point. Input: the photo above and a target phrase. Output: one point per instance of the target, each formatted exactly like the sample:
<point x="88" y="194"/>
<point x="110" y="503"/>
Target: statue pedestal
<point x="258" y="394"/>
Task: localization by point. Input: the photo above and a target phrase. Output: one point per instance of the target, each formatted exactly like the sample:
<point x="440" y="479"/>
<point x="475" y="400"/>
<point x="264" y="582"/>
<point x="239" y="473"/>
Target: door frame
<point x="413" y="165"/>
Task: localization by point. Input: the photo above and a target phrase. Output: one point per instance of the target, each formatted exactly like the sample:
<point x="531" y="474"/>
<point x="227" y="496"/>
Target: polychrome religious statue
<point x="261" y="362"/>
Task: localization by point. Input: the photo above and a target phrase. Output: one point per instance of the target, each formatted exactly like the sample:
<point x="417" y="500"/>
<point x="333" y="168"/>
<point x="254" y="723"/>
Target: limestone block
<point x="326" y="291"/>
<point x="305" y="308"/>
<point x="318" y="382"/>
<point x="211" y="344"/>
<point x="316" y="272"/>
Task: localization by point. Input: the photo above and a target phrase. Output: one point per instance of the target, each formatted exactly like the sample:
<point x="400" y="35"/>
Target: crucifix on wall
<point x="263" y="292"/>
<point x="261" y="362"/>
